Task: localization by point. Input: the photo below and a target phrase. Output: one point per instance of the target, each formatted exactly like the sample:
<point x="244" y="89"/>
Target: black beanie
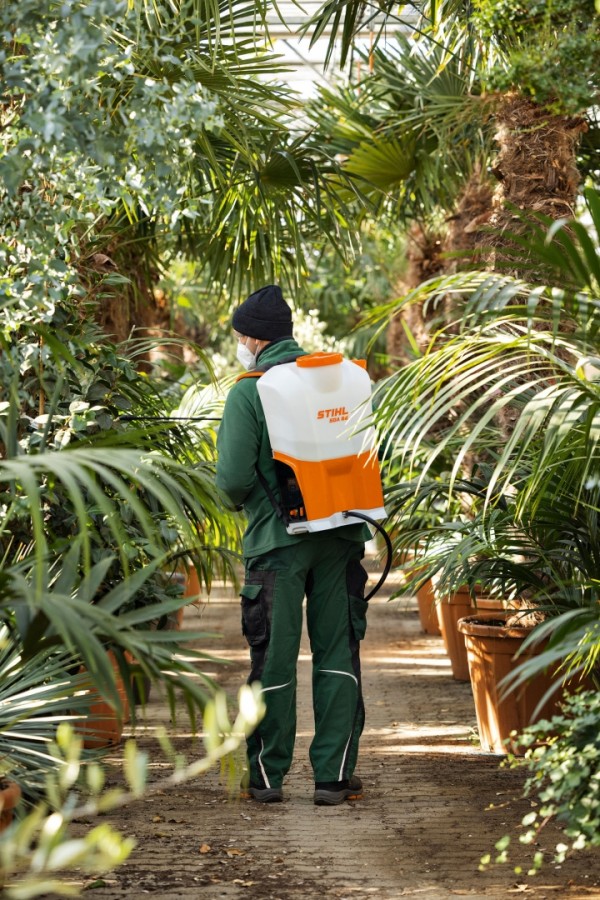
<point x="264" y="315"/>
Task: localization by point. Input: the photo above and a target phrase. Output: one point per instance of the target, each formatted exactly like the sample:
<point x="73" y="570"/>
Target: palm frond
<point x="280" y="196"/>
<point x="341" y="20"/>
<point x="415" y="127"/>
<point x="80" y="618"/>
<point x="89" y="476"/>
<point x="37" y="693"/>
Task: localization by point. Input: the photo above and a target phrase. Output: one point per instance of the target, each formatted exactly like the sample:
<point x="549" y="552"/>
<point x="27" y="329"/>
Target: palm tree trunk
<point x="138" y="308"/>
<point x="472" y="214"/>
<point x="537" y="172"/>
<point x="429" y="255"/>
<point x="536" y="165"/>
<point x="423" y="254"/>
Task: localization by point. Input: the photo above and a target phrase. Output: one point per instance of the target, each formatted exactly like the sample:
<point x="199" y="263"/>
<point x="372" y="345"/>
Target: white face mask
<point x="246" y="357"/>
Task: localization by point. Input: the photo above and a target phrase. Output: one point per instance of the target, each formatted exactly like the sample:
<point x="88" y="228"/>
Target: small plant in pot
<point x="416" y="513"/>
<point x="448" y="548"/>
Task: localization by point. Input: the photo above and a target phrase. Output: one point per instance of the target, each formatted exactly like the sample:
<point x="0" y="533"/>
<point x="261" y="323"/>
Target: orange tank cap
<point x="312" y="360"/>
<point x="361" y="363"/>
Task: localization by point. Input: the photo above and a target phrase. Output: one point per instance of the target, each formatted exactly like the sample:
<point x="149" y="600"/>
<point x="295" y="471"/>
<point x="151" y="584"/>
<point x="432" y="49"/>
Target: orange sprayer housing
<point x="319" y="418"/>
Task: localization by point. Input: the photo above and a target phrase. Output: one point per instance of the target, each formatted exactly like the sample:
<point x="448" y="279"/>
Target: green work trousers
<point x="328" y="571"/>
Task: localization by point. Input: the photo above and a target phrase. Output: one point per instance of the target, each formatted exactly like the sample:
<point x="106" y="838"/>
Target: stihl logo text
<point x="338" y="414"/>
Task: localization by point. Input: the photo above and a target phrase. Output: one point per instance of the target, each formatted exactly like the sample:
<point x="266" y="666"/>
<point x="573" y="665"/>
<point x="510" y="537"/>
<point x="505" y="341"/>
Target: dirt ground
<point x="434" y="802"/>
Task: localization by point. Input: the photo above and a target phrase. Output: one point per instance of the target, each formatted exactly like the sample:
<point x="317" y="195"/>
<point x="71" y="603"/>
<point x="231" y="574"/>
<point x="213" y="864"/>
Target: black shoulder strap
<point x="274" y="501"/>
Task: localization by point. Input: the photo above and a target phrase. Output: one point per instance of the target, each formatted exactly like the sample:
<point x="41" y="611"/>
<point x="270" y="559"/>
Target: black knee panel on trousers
<point x="257" y="604"/>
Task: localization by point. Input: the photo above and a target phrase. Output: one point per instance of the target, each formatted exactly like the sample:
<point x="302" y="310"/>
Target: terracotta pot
<point x="491" y="648"/>
<point x="190" y="583"/>
<point x="450" y="610"/>
<point x="103" y="727"/>
<point x="10" y="795"/>
<point x="485" y="603"/>
<point x="427" y="608"/>
<point x="402" y="557"/>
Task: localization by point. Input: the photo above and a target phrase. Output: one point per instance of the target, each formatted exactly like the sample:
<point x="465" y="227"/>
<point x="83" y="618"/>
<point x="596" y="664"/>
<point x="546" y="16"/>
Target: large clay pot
<point x="192" y="588"/>
<point x="102" y="726"/>
<point x="10" y="794"/>
<point x="450" y="610"/>
<point x="427" y="608"/>
<point x="190" y="582"/>
<point x="491" y="649"/>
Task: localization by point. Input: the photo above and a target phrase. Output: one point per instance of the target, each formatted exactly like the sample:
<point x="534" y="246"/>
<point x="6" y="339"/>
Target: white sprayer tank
<point x="318" y="413"/>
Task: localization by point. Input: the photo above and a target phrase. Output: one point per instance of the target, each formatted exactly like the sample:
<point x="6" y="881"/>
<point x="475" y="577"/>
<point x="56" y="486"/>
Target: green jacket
<point x="242" y="443"/>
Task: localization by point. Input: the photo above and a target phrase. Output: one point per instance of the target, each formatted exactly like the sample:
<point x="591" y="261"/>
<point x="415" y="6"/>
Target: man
<point x="280" y="569"/>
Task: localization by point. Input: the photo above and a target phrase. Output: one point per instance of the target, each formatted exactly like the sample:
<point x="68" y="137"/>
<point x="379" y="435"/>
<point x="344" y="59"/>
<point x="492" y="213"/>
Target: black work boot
<point x="331" y="793"/>
<point x="262" y="795"/>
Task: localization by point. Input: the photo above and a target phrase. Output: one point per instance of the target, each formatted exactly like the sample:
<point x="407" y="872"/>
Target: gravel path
<point x="434" y="802"/>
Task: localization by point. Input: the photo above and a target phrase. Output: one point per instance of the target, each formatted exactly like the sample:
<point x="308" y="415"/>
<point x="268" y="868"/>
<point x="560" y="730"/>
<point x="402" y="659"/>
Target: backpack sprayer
<point x="319" y="419"/>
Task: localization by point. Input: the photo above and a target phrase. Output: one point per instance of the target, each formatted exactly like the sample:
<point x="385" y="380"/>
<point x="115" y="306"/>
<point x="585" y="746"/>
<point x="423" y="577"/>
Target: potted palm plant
<point x="547" y="557"/>
<point x="92" y="512"/>
<point x="512" y="395"/>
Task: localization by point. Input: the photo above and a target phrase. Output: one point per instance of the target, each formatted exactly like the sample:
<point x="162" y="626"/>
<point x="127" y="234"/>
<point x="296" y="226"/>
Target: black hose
<point x="390" y="550"/>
